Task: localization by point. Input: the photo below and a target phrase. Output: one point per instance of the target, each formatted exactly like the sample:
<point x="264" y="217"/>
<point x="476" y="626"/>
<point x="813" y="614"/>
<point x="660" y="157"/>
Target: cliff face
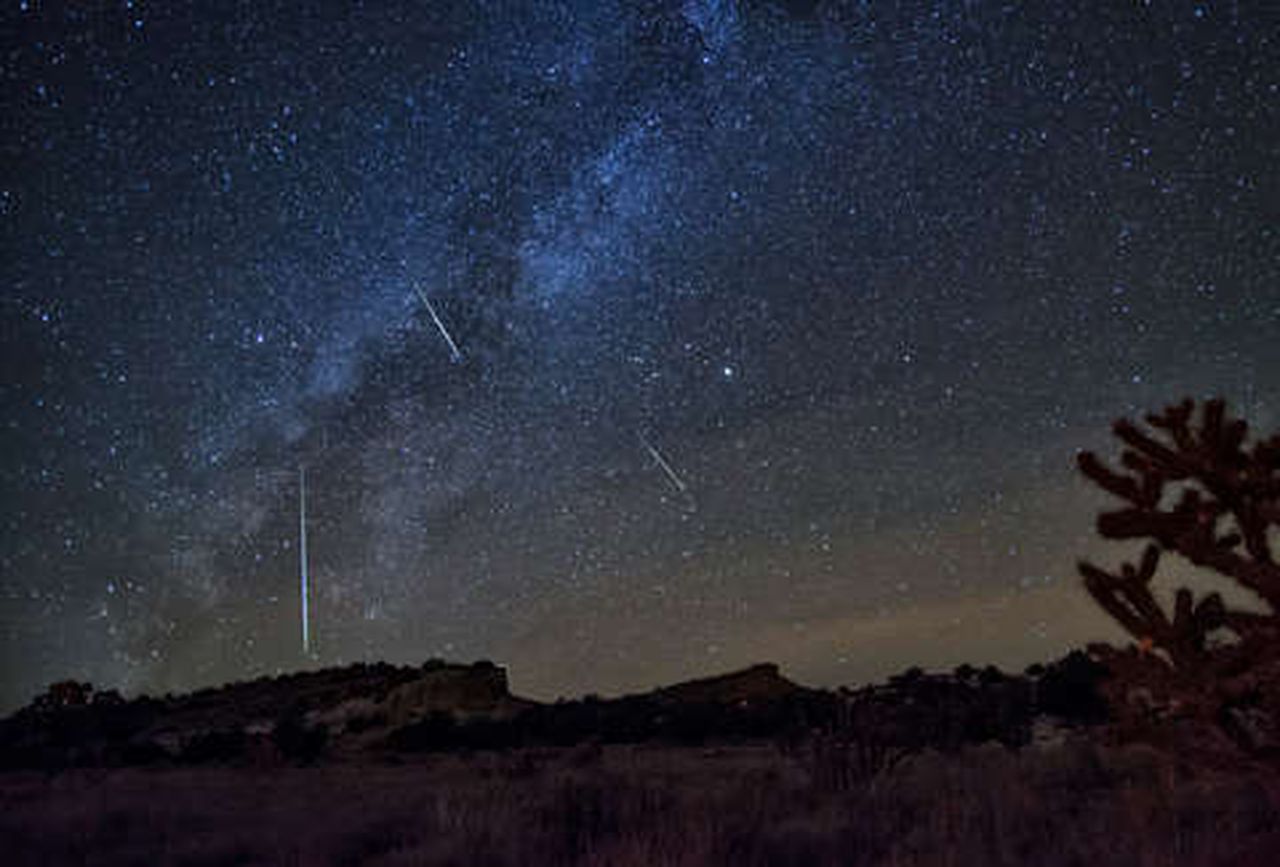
<point x="757" y="683"/>
<point x="339" y="709"/>
<point x="461" y="691"/>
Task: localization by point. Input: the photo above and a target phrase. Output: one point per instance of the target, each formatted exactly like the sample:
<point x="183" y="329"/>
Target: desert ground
<point x="1067" y="803"/>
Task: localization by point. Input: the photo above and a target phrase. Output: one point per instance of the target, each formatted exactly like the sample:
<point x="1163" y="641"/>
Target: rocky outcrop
<point x="464" y="692"/>
<point x="298" y="715"/>
<point x="758" y="683"/>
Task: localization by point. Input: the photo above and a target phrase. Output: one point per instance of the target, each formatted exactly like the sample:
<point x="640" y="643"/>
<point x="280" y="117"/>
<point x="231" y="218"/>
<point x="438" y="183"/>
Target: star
<point x="872" y="271"/>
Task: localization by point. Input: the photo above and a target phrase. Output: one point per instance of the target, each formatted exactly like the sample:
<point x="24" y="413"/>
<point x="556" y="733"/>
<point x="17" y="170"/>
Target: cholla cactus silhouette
<point x="1199" y="489"/>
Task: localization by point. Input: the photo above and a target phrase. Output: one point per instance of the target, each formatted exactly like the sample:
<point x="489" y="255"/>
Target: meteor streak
<point x="304" y="590"/>
<point x="662" y="462"/>
<point x="453" y="347"/>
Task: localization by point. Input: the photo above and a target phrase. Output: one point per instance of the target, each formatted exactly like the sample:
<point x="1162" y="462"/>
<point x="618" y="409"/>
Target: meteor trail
<point x="662" y="462"/>
<point x="304" y="590"/>
<point x="453" y="347"/>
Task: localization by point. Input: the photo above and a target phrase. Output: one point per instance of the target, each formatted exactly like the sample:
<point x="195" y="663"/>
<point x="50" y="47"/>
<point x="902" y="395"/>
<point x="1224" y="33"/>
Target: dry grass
<point x="1076" y="805"/>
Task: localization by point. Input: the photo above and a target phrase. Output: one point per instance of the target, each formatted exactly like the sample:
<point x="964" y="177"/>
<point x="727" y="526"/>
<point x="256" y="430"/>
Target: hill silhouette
<point x="377" y="710"/>
<point x="441" y="764"/>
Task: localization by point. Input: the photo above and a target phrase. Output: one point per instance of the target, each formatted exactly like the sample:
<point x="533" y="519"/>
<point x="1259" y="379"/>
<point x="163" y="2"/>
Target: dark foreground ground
<point x="1074" y="804"/>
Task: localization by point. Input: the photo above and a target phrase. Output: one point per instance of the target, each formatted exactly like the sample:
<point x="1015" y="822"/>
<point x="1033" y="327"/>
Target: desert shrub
<point x="1225" y="507"/>
<point x="297" y="741"/>
<point x="1193" y="486"/>
<point x="1070" y="689"/>
<point x="141" y="753"/>
<point x="223" y="746"/>
<point x="435" y="731"/>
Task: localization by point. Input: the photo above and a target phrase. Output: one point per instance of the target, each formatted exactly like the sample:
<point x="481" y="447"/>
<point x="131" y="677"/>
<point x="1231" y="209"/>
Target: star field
<point x="777" y="325"/>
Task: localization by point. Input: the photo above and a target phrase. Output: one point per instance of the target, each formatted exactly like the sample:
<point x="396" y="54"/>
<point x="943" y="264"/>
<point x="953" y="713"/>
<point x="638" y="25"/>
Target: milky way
<point x="756" y="330"/>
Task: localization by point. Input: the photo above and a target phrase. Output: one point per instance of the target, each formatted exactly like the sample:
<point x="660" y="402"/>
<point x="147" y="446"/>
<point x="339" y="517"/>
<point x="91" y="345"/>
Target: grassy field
<point x="1076" y="804"/>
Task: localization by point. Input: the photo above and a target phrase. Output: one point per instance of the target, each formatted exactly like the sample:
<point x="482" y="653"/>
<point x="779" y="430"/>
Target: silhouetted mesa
<point x="761" y="682"/>
<point x="366" y="711"/>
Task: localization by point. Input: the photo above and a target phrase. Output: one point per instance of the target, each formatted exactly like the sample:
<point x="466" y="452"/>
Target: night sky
<point x="777" y="326"/>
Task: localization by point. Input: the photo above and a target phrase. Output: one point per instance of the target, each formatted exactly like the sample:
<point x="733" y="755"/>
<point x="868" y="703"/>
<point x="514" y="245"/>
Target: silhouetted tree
<point x="64" y="694"/>
<point x="1069" y="689"/>
<point x="1197" y="488"/>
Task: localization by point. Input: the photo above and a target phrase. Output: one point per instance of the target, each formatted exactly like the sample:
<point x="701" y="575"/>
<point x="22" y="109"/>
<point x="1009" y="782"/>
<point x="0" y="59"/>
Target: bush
<point x="297" y="741"/>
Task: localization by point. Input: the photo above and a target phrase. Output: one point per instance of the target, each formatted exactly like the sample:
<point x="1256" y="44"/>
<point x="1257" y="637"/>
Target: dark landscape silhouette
<point x="1162" y="752"/>
<point x="676" y="433"/>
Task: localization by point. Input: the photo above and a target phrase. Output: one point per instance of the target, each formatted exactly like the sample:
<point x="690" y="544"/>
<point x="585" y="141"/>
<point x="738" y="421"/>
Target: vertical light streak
<point x="302" y="560"/>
